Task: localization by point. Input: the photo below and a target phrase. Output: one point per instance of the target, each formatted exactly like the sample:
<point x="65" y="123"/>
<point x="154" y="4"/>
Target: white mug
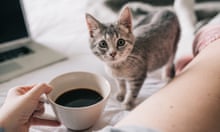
<point x="78" y="118"/>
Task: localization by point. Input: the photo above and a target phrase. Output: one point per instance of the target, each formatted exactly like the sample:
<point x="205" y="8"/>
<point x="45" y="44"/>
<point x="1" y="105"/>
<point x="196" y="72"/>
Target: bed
<point x="60" y="25"/>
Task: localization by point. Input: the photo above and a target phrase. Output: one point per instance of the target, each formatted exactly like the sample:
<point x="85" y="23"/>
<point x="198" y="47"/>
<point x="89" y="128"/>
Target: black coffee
<point x="79" y="98"/>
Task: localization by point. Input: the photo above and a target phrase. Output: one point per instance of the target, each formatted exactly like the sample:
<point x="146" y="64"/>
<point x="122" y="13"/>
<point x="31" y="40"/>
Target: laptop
<point x="20" y="54"/>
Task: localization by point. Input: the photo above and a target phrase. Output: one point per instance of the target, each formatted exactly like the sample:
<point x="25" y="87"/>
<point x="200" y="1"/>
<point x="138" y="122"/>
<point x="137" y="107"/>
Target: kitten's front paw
<point x="128" y="106"/>
<point x="120" y="97"/>
<point x="166" y="76"/>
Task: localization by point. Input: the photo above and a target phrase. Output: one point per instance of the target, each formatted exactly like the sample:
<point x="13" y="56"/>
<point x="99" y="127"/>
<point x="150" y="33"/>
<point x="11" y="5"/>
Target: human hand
<point x="21" y="107"/>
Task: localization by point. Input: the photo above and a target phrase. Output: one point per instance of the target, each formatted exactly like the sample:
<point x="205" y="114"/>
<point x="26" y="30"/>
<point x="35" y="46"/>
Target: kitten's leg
<point x="169" y="70"/>
<point x="133" y="91"/>
<point x="122" y="90"/>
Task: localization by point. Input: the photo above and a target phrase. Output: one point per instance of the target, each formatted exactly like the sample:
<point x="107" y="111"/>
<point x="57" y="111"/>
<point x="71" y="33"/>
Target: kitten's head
<point x="113" y="42"/>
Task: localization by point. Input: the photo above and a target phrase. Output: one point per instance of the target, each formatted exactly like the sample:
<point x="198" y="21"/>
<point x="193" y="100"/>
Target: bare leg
<point x="189" y="103"/>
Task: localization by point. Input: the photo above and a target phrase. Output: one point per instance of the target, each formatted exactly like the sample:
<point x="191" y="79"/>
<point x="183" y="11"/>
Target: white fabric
<point x="60" y="25"/>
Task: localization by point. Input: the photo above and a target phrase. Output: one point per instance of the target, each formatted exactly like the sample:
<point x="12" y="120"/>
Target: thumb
<point x="39" y="89"/>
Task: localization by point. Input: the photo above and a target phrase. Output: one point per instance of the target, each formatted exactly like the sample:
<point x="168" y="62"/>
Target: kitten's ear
<point x="125" y="18"/>
<point x="92" y="24"/>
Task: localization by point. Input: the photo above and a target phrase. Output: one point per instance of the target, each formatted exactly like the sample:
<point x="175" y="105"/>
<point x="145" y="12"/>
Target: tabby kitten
<point x="131" y="53"/>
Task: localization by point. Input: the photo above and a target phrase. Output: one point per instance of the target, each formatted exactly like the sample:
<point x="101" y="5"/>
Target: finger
<point x="19" y="90"/>
<point x="40" y="105"/>
<point x="37" y="121"/>
<point x="27" y="88"/>
<point x="39" y="89"/>
<point x="39" y="110"/>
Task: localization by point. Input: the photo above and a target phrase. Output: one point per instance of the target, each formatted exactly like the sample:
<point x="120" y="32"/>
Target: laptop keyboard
<point x="15" y="53"/>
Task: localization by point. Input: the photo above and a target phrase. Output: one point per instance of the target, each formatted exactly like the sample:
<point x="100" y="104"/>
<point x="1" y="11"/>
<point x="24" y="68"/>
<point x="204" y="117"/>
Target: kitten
<point x="131" y="53"/>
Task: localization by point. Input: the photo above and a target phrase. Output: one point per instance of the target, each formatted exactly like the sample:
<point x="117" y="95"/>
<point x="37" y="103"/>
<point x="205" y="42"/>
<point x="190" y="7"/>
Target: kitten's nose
<point x="112" y="54"/>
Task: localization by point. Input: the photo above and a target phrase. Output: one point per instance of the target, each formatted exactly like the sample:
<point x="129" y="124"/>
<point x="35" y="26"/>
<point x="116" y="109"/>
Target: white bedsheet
<point x="60" y="25"/>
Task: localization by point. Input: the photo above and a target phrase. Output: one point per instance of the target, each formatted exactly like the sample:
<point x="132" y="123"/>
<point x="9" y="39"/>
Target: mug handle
<point x="48" y="115"/>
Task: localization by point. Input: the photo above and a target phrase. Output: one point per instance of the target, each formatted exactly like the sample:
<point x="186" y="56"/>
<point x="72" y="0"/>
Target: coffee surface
<point x="79" y="98"/>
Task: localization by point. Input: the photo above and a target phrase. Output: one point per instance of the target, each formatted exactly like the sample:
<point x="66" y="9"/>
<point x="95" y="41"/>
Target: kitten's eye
<point x="103" y="44"/>
<point x="121" y="42"/>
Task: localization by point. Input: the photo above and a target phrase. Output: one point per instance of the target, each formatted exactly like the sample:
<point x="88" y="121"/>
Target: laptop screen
<point x="12" y="23"/>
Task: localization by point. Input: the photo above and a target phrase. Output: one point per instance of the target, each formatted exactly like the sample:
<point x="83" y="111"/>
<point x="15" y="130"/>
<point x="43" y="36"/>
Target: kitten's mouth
<point x="111" y="59"/>
<point x="114" y="59"/>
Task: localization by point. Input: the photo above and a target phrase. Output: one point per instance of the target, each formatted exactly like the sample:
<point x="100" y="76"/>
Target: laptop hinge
<point x="14" y="44"/>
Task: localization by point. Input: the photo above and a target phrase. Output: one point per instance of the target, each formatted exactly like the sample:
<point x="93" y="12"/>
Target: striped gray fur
<point x="132" y="52"/>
